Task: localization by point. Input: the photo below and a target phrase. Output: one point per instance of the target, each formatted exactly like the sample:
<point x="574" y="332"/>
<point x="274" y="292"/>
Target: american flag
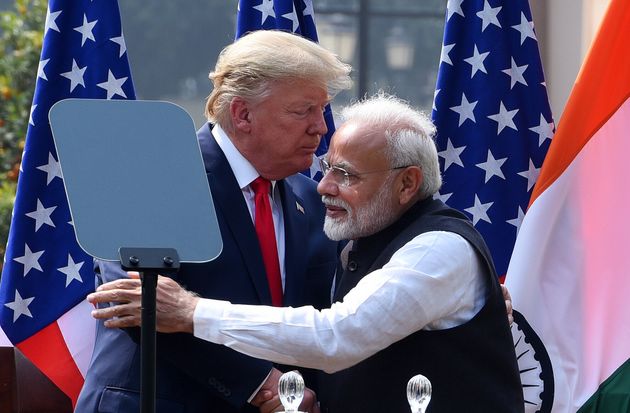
<point x="46" y="275"/>
<point x="492" y="115"/>
<point x="295" y="16"/>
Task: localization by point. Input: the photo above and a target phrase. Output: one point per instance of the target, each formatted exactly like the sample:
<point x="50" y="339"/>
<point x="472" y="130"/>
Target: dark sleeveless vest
<point x="472" y="367"/>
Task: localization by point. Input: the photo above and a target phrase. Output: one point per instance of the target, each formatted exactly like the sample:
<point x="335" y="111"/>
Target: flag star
<point x="266" y="8"/>
<point x="516" y="74"/>
<point x="86" y="30"/>
<point x="476" y="61"/>
<point x="488" y="15"/>
<point x="51" y="24"/>
<point x="451" y="155"/>
<point x="40" y="69"/>
<point x="293" y="17"/>
<point x="544" y="130"/>
<point x="113" y="85"/>
<point x="444" y="57"/>
<point x="526" y="28"/>
<point x="20" y="306"/>
<point x="442" y="197"/>
<point x="504" y="118"/>
<point x="72" y="270"/>
<point x="42" y="215"/>
<point x="452" y="7"/>
<point x="75" y="75"/>
<point x="492" y="166"/>
<point x="531" y="175"/>
<point x="30" y="260"/>
<point x="30" y="116"/>
<point x="479" y="211"/>
<point x="120" y="41"/>
<point x="308" y="9"/>
<point x="52" y="169"/>
<point x="465" y="110"/>
<point x="434" y="98"/>
<point x="518" y="220"/>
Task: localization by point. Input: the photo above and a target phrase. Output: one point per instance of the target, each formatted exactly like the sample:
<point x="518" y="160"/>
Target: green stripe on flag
<point x="613" y="395"/>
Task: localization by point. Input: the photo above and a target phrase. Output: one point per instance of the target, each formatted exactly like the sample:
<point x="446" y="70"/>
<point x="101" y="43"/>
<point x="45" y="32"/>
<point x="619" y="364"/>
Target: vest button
<point x="352" y="265"/>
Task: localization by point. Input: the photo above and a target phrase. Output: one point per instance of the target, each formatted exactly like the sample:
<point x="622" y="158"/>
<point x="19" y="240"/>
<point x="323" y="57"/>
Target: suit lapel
<point x="296" y="229"/>
<point x="233" y="211"/>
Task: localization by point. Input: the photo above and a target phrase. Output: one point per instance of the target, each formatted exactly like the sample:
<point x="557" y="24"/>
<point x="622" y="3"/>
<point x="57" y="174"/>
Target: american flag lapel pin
<point x="299" y="207"/>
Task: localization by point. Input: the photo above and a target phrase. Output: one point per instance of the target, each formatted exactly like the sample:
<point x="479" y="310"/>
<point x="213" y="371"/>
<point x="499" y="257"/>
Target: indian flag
<point x="569" y="275"/>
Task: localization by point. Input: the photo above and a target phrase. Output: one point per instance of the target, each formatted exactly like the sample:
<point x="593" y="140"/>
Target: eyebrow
<point x="344" y="165"/>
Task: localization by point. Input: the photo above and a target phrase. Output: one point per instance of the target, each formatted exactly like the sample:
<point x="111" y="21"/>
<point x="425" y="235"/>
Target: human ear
<point x="240" y="114"/>
<point x="410" y="181"/>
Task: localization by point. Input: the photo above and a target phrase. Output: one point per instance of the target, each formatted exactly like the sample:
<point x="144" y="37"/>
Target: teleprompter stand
<point x="138" y="194"/>
<point x="149" y="262"/>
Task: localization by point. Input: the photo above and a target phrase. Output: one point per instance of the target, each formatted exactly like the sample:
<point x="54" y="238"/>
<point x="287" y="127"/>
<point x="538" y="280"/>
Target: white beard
<point x="375" y="216"/>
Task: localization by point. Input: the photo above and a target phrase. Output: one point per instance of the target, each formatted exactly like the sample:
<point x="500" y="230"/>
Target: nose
<point x="318" y="124"/>
<point x="328" y="186"/>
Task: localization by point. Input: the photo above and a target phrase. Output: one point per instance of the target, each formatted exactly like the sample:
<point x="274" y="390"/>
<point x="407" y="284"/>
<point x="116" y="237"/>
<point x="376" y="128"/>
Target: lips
<point x="334" y="211"/>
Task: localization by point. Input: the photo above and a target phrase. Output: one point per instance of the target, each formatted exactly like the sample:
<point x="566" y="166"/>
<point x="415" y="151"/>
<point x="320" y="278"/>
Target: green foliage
<point x="21" y="35"/>
<point x="7" y="196"/>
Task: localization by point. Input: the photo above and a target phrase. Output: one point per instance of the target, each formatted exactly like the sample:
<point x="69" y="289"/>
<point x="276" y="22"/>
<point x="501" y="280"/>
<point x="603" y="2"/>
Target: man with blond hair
<point x="265" y="122"/>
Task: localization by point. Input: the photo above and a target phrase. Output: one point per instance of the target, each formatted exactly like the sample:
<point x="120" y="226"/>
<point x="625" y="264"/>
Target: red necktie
<point x="267" y="238"/>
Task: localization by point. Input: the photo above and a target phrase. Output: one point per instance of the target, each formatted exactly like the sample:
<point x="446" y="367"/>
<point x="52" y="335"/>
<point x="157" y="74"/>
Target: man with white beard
<point x="418" y="294"/>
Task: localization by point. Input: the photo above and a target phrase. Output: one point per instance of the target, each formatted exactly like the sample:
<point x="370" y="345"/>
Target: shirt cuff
<point x="258" y="388"/>
<point x="207" y="319"/>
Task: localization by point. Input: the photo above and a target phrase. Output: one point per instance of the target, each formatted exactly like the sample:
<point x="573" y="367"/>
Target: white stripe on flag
<point x="4" y="340"/>
<point x="79" y="332"/>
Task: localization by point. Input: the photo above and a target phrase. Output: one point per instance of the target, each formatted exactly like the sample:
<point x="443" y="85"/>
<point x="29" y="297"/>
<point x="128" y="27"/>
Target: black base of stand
<point x="149" y="262"/>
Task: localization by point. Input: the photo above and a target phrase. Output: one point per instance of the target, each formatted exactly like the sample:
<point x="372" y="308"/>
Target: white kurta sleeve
<point x="434" y="281"/>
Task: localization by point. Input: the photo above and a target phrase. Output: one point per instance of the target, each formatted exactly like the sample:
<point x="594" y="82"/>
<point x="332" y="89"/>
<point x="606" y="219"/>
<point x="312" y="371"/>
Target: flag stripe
<point x="4" y="340"/>
<point x="600" y="88"/>
<point x="55" y="362"/>
<point x="78" y="329"/>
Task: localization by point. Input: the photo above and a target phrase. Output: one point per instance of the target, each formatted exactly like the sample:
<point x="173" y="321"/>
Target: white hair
<point x="408" y="131"/>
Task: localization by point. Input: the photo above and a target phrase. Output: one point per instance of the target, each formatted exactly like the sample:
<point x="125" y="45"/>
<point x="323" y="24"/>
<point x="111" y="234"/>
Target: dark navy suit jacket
<point x="195" y="376"/>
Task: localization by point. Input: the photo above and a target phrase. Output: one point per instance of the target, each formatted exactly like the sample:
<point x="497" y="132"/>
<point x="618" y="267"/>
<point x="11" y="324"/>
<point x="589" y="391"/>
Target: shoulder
<point x="444" y="249"/>
<point x="303" y="187"/>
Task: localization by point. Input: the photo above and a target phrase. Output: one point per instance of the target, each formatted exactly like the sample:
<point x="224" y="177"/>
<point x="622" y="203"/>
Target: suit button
<point x="352" y="265"/>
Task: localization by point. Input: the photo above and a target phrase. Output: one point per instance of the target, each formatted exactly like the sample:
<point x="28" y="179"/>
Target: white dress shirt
<point x="245" y="174"/>
<point x="435" y="281"/>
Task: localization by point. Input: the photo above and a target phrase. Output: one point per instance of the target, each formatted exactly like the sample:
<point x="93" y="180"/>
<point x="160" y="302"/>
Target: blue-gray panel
<point x="134" y="177"/>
